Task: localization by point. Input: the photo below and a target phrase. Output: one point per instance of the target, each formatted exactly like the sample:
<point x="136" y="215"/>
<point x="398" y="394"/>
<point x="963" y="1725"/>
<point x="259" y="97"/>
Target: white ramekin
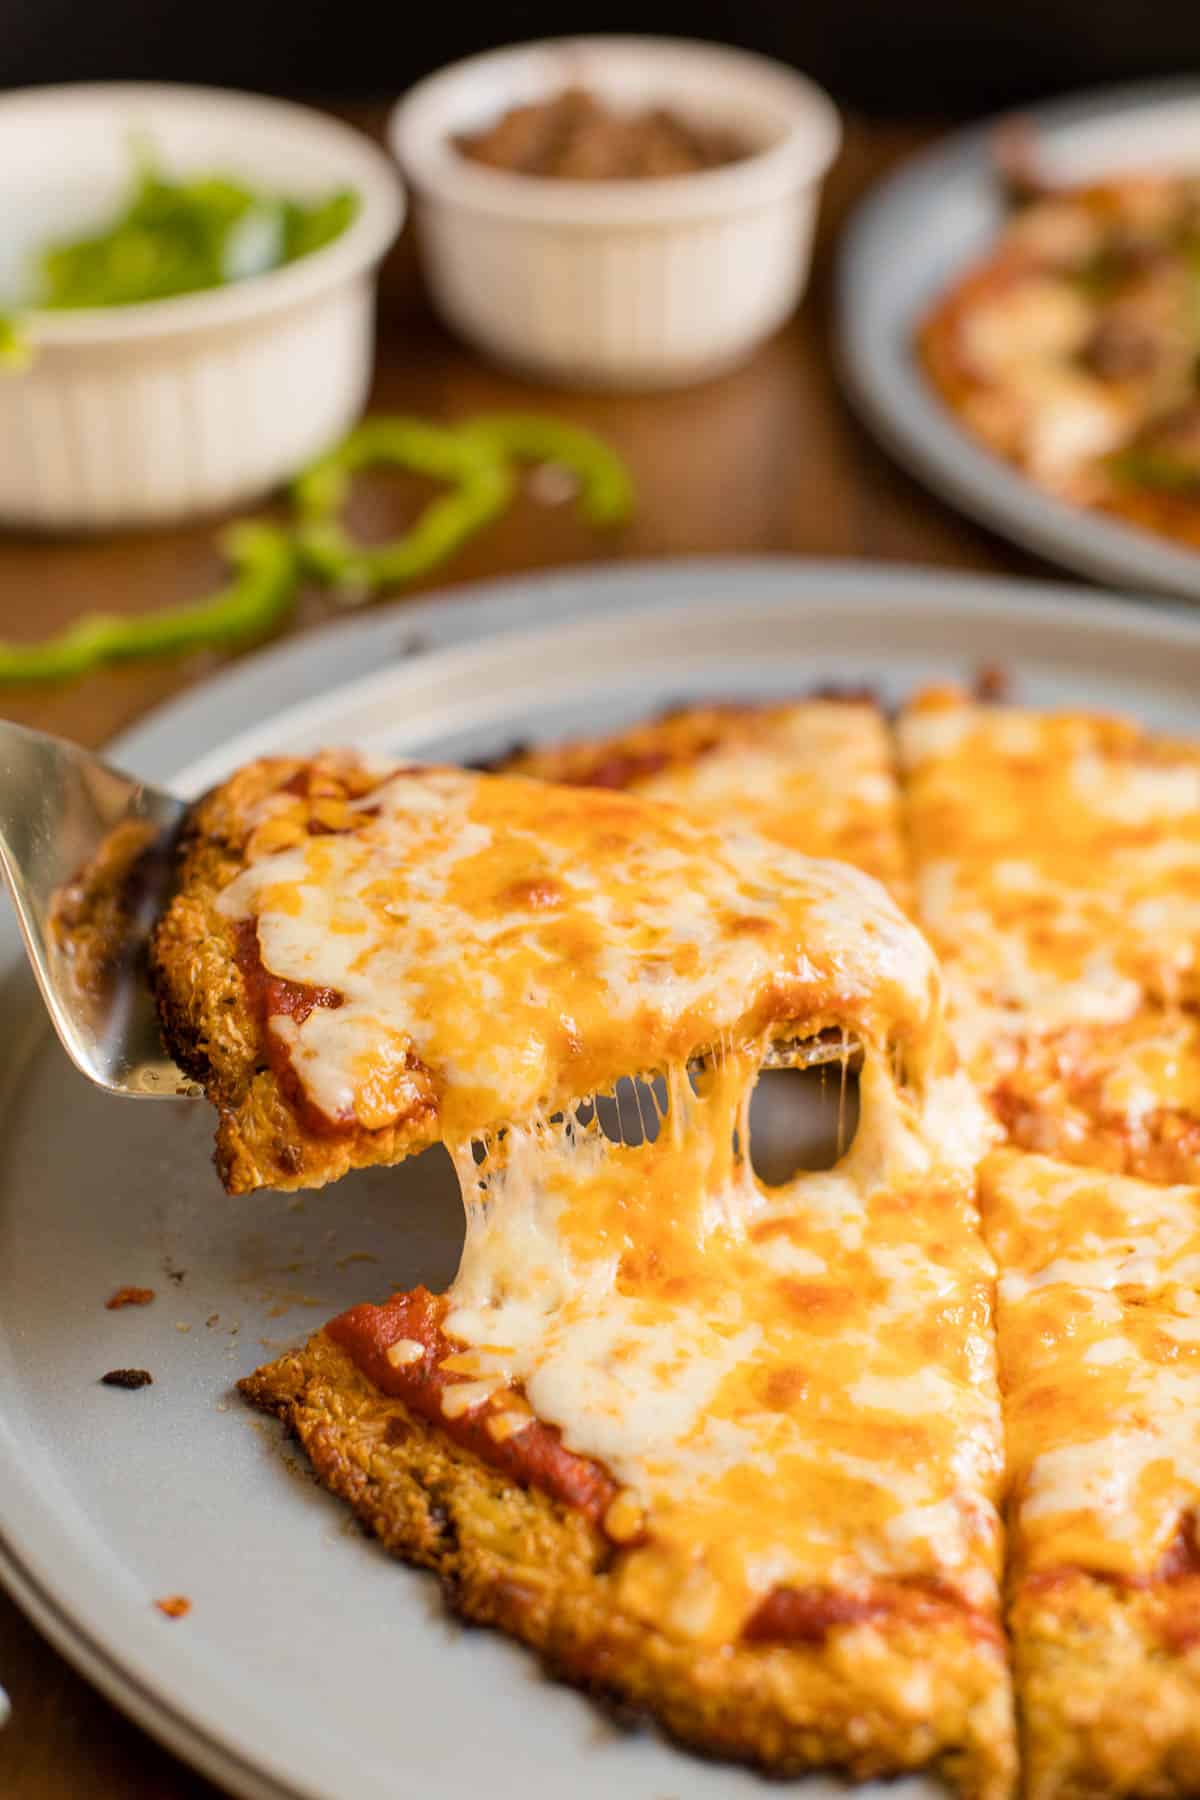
<point x="141" y="414"/>
<point x="618" y="283"/>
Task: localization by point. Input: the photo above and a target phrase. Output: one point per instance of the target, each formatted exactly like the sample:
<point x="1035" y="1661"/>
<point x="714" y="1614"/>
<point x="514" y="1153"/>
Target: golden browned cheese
<point x="1057" y="874"/>
<point x="815" y="775"/>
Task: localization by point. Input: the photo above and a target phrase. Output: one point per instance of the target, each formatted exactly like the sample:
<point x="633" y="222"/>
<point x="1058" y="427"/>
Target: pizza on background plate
<point x="1072" y="347"/>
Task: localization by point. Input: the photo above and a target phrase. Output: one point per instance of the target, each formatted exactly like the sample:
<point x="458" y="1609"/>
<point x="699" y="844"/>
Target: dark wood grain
<point x="768" y="459"/>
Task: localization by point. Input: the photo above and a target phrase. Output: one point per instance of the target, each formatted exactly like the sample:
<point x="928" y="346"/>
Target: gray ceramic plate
<point x="917" y="231"/>
<point x="309" y="1665"/>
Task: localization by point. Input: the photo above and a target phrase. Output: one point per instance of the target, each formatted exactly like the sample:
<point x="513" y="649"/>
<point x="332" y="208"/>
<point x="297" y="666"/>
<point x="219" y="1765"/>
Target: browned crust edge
<point x="1108" y="1686"/>
<point x="867" y="1701"/>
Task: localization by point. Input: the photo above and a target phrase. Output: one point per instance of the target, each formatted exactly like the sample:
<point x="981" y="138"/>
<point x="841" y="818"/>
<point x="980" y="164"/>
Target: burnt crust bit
<point x="210" y="1022"/>
<point x="127" y="1378"/>
<point x="513" y="1558"/>
<point x="993" y="684"/>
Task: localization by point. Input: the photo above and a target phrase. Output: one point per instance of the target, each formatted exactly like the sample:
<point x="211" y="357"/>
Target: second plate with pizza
<point x="1019" y="320"/>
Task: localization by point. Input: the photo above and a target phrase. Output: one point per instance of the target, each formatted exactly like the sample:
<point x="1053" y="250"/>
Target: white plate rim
<point x="87" y="1631"/>
<point x="874" y="320"/>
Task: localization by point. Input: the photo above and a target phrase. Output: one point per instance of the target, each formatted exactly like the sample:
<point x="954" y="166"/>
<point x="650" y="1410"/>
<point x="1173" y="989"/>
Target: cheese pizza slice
<point x="1057" y="873"/>
<point x="817" y="775"/>
<point x="1099" y="1333"/>
<point x="358" y="962"/>
<point x="729" y="1452"/>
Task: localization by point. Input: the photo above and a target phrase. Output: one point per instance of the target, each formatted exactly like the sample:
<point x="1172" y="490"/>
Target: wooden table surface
<point x="767" y="459"/>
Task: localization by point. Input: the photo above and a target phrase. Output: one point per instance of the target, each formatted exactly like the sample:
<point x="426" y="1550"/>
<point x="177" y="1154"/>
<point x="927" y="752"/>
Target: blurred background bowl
<point x="132" y="415"/>
<point x="634" y="283"/>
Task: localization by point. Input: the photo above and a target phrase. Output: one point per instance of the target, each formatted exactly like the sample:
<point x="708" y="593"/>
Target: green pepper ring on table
<point x="475" y="458"/>
<point x="257" y="597"/>
<point x="481" y="485"/>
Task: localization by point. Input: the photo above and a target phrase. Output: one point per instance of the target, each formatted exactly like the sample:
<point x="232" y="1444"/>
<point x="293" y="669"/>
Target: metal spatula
<point x="59" y="808"/>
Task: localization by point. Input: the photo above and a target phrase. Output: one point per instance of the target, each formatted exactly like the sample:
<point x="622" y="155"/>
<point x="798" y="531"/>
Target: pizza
<point x="1071" y="347"/>
<point x="736" y="1453"/>
<point x="728" y="1452"/>
<point x="1056" y="870"/>
<point x="361" y="961"/>
<point x="1099" y="1340"/>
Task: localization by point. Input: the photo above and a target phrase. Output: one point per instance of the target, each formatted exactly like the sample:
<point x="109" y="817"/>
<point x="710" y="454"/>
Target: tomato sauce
<point x="273" y="997"/>
<point x="806" y="1615"/>
<point x="533" y="1456"/>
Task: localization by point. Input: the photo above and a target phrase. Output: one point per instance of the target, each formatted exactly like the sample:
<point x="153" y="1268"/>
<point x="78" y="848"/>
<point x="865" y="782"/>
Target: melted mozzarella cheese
<point x="1099" y="1359"/>
<point x="528" y="945"/>
<point x="797" y="1384"/>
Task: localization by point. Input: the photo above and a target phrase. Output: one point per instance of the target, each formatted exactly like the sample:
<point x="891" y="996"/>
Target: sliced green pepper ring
<point x="481" y="485"/>
<point x="605" y="488"/>
<point x="259" y="594"/>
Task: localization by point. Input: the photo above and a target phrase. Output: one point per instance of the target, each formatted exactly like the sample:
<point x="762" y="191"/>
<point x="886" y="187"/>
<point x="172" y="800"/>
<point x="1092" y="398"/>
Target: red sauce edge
<point x="1179" y="1562"/>
<point x="272" y="996"/>
<point x="806" y="1615"/>
<point x="533" y="1457"/>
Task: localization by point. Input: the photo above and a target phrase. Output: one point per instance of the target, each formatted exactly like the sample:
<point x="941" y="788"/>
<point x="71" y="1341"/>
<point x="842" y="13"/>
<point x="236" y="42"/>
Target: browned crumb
<point x="175" y="1606"/>
<point x="993" y="683"/>
<point x="129" y="1296"/>
<point x="127" y="1378"/>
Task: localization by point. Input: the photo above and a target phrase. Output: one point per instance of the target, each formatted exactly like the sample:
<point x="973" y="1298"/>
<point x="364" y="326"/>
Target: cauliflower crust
<point x="870" y="1699"/>
<point x="1108" y="1686"/>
